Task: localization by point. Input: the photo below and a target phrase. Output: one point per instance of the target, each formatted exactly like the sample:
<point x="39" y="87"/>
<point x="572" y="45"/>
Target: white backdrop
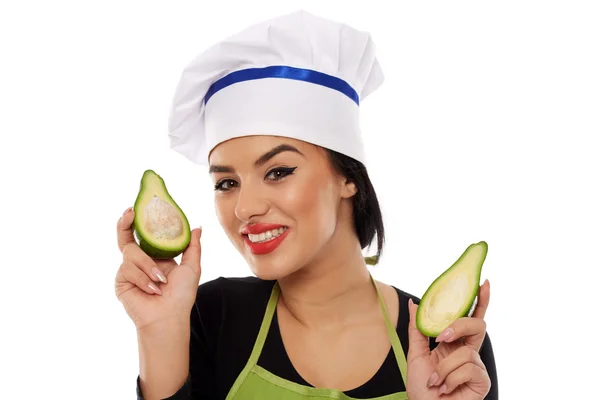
<point x="485" y="129"/>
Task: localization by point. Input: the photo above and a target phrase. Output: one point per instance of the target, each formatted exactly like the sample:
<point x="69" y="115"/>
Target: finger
<point x="135" y="255"/>
<point x="418" y="343"/>
<point x="191" y="255"/>
<point x="472" y="373"/>
<point x="472" y="330"/>
<point x="454" y="361"/>
<point x="165" y="265"/>
<point x="476" y="377"/>
<point x="136" y="276"/>
<point x="124" y="231"/>
<point x="483" y="300"/>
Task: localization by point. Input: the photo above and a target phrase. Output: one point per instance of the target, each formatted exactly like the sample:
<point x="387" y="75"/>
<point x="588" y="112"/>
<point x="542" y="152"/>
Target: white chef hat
<point x="297" y="75"/>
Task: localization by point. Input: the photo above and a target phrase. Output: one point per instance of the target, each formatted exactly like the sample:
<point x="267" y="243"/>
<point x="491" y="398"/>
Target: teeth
<point x="266" y="236"/>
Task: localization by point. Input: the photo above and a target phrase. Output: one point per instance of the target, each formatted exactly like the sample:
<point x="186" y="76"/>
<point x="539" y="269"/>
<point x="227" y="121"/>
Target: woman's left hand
<point x="453" y="370"/>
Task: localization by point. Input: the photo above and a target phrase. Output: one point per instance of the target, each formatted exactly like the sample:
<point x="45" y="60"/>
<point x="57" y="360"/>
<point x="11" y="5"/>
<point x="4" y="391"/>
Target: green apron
<point x="255" y="382"/>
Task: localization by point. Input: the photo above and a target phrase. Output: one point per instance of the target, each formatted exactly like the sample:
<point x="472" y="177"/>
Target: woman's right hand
<point x="155" y="291"/>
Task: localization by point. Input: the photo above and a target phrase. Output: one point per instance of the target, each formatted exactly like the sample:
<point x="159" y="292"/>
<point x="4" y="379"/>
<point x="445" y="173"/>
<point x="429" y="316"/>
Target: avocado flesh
<point x="453" y="294"/>
<point x="160" y="226"/>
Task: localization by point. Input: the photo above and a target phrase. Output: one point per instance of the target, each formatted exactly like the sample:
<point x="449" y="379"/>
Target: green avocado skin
<point x="470" y="299"/>
<point x="154" y="251"/>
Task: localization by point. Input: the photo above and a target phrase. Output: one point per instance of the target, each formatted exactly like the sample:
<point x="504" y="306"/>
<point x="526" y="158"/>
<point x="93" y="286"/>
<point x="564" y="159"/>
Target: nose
<point x="251" y="203"/>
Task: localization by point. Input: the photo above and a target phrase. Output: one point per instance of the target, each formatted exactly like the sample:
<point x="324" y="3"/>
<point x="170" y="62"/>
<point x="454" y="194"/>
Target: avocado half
<point x="453" y="294"/>
<point x="160" y="226"/>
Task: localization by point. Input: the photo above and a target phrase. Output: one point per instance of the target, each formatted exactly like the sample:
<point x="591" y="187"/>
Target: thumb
<point x="418" y="344"/>
<point x="191" y="255"/>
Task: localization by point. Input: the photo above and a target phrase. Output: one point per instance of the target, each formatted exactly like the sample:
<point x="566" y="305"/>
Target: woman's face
<point x="278" y="200"/>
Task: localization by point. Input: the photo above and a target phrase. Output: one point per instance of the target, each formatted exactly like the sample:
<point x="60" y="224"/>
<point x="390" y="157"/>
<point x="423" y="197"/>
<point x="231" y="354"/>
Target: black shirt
<point x="225" y="321"/>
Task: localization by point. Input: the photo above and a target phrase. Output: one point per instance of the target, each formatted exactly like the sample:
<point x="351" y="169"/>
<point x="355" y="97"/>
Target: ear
<point x="348" y="189"/>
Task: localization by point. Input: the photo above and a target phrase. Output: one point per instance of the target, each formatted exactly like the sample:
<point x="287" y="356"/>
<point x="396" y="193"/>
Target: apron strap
<point x="397" y="347"/>
<point x="264" y="327"/>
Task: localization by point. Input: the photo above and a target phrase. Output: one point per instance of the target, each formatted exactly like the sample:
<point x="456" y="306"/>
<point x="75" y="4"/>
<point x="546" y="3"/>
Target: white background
<point x="485" y="129"/>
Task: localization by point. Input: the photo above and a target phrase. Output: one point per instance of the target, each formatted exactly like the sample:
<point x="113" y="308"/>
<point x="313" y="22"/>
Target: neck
<point x="332" y="292"/>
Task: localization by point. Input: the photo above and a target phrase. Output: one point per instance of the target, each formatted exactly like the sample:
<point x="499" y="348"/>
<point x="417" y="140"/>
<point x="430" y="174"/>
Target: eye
<point x="223" y="184"/>
<point x="279" y="173"/>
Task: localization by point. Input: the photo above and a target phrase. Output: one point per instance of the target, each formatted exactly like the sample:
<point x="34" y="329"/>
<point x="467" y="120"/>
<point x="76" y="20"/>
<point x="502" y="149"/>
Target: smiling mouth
<point x="266" y="236"/>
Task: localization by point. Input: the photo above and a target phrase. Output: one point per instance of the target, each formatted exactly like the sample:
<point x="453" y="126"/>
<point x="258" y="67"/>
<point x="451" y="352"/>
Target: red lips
<point x="257" y="229"/>
<point x="264" y="247"/>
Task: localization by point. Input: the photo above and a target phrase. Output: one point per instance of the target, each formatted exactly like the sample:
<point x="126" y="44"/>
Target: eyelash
<point x="281" y="170"/>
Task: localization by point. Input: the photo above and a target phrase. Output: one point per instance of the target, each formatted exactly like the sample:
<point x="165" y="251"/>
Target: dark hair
<point x="368" y="220"/>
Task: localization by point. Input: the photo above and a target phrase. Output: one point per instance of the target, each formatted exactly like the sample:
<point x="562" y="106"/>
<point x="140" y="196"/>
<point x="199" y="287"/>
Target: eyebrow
<point x="262" y="159"/>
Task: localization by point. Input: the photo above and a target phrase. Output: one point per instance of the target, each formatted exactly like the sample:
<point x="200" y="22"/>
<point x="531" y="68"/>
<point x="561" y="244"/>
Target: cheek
<point x="225" y="213"/>
<point x="312" y="205"/>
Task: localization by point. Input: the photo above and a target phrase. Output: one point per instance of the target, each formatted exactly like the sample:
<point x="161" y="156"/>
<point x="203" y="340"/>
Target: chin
<point x="270" y="270"/>
<point x="268" y="275"/>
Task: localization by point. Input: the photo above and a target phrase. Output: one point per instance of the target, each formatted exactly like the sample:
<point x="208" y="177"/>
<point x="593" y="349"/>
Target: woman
<point x="273" y="113"/>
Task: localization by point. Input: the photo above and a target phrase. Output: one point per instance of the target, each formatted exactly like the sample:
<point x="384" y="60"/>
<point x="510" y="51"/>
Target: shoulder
<point x="232" y="289"/>
<point x="392" y="294"/>
<point x="233" y="285"/>
<point x="228" y="306"/>
<point x="228" y="296"/>
<point x="403" y="295"/>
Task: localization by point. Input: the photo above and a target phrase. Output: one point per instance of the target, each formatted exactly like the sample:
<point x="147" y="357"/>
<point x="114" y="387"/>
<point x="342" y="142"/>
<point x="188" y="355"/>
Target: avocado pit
<point x="162" y="220"/>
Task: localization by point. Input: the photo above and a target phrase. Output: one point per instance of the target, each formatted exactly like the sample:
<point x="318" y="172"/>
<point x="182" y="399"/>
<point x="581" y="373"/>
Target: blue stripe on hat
<point x="282" y="71"/>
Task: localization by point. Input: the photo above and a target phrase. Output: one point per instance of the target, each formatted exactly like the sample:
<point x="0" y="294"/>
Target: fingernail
<point x="126" y="211"/>
<point x="154" y="288"/>
<point x="447" y="334"/>
<point x="432" y="379"/>
<point x="442" y="389"/>
<point x="159" y="275"/>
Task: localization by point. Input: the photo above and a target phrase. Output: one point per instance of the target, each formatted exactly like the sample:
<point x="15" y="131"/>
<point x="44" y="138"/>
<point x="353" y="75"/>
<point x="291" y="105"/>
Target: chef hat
<point x="297" y="75"/>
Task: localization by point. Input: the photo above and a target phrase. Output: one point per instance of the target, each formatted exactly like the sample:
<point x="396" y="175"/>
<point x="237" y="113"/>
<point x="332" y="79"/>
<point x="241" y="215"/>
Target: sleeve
<point x="201" y="383"/>
<point x="487" y="356"/>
